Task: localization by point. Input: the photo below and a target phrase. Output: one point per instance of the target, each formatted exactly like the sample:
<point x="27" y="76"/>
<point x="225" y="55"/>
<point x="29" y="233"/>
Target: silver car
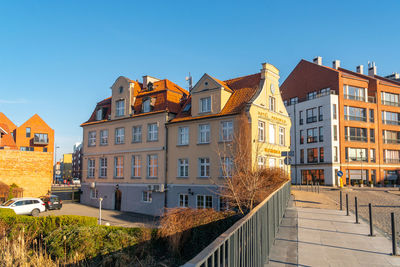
<point x="25" y="206"/>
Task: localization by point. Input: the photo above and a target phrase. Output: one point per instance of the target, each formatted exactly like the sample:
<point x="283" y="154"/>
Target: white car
<point x="25" y="206"/>
<point x="76" y="181"/>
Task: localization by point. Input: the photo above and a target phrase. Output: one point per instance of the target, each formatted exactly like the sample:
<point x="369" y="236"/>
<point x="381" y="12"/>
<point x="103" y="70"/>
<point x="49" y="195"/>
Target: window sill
<point x="182" y="177"/>
<point x="136" y="142"/>
<point x="91" y="145"/>
<point x="89" y="177"/>
<point x="224" y="141"/>
<point x="182" y="145"/>
<point x="119" y="143"/>
<point x="103" y="177"/>
<point x="203" y="177"/>
<point x="104" y="144"/>
<point x="203" y="143"/>
<point x="151" y="178"/>
<point x="119" y="178"/>
<point x="136" y="177"/>
<point x="149" y="141"/>
<point x="205" y="112"/>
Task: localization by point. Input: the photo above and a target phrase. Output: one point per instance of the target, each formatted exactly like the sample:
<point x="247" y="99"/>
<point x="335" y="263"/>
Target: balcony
<point x="391" y="141"/>
<point x="390" y="103"/>
<point x="41" y="139"/>
<point x="354" y="118"/>
<point x="355" y="97"/>
<point x="390" y="122"/>
<point x="392" y="160"/>
<point x="356" y="138"/>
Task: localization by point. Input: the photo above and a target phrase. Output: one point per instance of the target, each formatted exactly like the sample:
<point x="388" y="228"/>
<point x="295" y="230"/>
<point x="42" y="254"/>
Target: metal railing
<point x="249" y="240"/>
<point x="356" y="138"/>
<point x="354" y="118"/>
<point x="391" y="141"/>
<point x="390" y="103"/>
<point x="391" y="122"/>
<point x="354" y="97"/>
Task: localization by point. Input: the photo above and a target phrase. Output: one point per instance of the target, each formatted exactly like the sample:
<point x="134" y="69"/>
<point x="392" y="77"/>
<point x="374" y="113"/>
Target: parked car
<point x="76" y="181"/>
<point x="25" y="206"/>
<point x="52" y="202"/>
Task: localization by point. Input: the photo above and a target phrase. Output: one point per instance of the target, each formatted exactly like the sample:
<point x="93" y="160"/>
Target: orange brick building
<point x="368" y="122"/>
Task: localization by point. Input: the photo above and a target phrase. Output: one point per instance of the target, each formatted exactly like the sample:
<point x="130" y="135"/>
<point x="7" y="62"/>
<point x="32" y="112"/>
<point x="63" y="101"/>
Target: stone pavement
<point x="322" y="237"/>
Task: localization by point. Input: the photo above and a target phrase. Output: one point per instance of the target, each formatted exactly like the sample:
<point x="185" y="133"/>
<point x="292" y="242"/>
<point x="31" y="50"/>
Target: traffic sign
<point x="340" y="173"/>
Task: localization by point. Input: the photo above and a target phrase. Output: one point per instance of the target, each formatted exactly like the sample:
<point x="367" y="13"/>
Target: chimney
<point x="371" y="69"/>
<point x="147" y="79"/>
<point x="336" y="64"/>
<point x="394" y="76"/>
<point x="268" y="68"/>
<point x="318" y="60"/>
<point x="263" y="70"/>
<point x="360" y="69"/>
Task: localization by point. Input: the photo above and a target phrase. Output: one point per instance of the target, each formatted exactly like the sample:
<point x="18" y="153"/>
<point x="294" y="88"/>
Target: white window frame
<point x="206" y="198"/>
<point x="152" y="168"/>
<point x="226" y="167"/>
<point x="146" y="105"/>
<point x="226" y="130"/>
<point x="205" y="104"/>
<point x="204" y="167"/>
<point x="204" y="133"/>
<point x="94" y="193"/>
<point x="119" y="135"/>
<point x="137" y="134"/>
<point x="271" y="133"/>
<point x="261" y="162"/>
<point x="271" y="163"/>
<point x="183" y="167"/>
<point x="103" y="137"/>
<point x="136" y="166"/>
<point x="99" y="114"/>
<point x="183" y="201"/>
<point x="103" y="167"/>
<point x="183" y="136"/>
<point x="92" y="138"/>
<point x="120" y="108"/>
<point x="147" y="197"/>
<point x="152" y="132"/>
<point x="91" y="168"/>
<point x="282" y="136"/>
<point x="118" y="167"/>
<point x="272" y="103"/>
<point x="261" y="131"/>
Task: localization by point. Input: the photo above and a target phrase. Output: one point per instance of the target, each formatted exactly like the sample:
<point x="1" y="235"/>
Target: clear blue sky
<point x="59" y="58"/>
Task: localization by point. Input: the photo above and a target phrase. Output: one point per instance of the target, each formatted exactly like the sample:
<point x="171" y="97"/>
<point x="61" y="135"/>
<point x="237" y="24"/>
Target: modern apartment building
<point x="200" y="136"/>
<point x="77" y="161"/>
<point x="343" y="120"/>
<point x="125" y="143"/>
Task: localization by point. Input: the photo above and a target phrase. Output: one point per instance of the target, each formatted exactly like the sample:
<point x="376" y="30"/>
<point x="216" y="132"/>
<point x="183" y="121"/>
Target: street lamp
<point x="55" y="162"/>
<point x="93" y="186"/>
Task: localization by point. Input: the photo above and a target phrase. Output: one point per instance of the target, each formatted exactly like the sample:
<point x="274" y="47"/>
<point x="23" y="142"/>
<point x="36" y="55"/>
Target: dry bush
<point x="177" y="223"/>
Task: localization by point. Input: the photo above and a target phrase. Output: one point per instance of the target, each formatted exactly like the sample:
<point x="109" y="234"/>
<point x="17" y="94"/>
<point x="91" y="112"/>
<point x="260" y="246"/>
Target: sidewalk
<point x="323" y="237"/>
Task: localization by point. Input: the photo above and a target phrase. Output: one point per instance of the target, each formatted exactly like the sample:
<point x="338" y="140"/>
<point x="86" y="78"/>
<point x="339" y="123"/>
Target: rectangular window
<point x="227" y="130"/>
<point x="391" y="118"/>
<point x="200" y="202"/>
<point x="183" y="167"/>
<point x="320" y="114"/>
<point x="94" y="193"/>
<point x="103" y="167"/>
<point x="372" y="135"/>
<point x="391" y="137"/>
<point x="301" y="155"/>
<point x="183" y="200"/>
<point x="335" y="133"/>
<point x="311" y="115"/>
<point x="204" y="133"/>
<point x="355" y="114"/>
<point x="281" y="136"/>
<point x="354" y="93"/>
<point x="356" y="154"/>
<point x="204" y="167"/>
<point x="146" y="196"/>
<point x="119" y="135"/>
<point x="372" y="155"/>
<point x="312" y="135"/>
<point x="26" y="148"/>
<point x="152" y="132"/>
<point x="301" y="137"/>
<point x="92" y="138"/>
<point x="321" y="154"/>
<point x="183" y="136"/>
<point x="391" y="156"/>
<point x="118" y="167"/>
<point x="390" y="99"/>
<point x="136" y="166"/>
<point x="120" y="108"/>
<point x="312" y="155"/>
<point x="355" y="134"/>
<point x="272" y="103"/>
<point x="91" y="166"/>
<point x="45" y="149"/>
<point x="137" y="134"/>
<point x="311" y="95"/>
<point x="301" y="117"/>
<point x="99" y="114"/>
<point x="103" y="137"/>
<point x="271" y="162"/>
<point x="334" y="112"/>
<point x="226" y="167"/>
<point x="205" y="104"/>
<point x="261" y="162"/>
<point x="321" y="134"/>
<point x="28" y="132"/>
<point x="371" y="115"/>
<point x="152" y="166"/>
<point x="204" y="202"/>
<point x="294" y="100"/>
<point x="261" y="131"/>
<point x="272" y="134"/>
<point x="335" y="154"/>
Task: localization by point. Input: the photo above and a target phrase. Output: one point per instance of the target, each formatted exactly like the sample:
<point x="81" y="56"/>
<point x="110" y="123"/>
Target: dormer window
<point x="120" y="108"/>
<point x="99" y="114"/>
<point x="205" y="104"/>
<point x="146" y="106"/>
<point x="150" y="86"/>
<point x="120" y="89"/>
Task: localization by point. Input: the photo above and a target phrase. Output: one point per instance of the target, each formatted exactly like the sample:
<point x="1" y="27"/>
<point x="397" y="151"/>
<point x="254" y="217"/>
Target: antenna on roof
<point x="190" y="82"/>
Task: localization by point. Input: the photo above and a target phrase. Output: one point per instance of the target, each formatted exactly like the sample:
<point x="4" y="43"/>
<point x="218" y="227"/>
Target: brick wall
<point x="32" y="171"/>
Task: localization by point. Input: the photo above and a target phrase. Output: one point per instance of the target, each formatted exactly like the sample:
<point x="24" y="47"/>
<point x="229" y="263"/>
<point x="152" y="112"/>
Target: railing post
<point x="394" y="243"/>
<point x="371" y="226"/>
<point x="356" y="209"/>
<point x="347" y="204"/>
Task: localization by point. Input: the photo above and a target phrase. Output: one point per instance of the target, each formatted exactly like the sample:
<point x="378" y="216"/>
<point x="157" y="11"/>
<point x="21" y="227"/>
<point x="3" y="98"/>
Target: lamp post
<point x="100" y="200"/>
<point x="361" y="154"/>
<point x="55" y="162"/>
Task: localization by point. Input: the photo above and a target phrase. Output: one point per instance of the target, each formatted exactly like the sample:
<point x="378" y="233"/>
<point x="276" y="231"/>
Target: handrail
<point x="235" y="245"/>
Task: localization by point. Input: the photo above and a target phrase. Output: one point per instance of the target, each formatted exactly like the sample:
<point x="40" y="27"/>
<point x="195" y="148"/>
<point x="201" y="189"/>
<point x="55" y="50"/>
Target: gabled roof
<point x="6" y="139"/>
<point x="244" y="88"/>
<point x="7" y="121"/>
<point x="34" y="117"/>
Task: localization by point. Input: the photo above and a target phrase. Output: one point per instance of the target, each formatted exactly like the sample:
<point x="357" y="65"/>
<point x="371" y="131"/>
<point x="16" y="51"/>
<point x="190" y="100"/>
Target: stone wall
<point x="32" y="171"/>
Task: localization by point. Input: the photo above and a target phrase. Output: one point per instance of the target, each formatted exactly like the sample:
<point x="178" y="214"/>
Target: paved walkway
<point x="322" y="237"/>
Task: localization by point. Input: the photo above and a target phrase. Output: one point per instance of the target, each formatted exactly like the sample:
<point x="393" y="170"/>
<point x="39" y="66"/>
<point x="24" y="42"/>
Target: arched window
<point x="146" y="106"/>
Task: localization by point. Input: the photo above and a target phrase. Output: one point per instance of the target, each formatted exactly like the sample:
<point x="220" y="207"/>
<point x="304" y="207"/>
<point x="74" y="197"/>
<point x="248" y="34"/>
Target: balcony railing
<point x="392" y="160"/>
<point x="311" y="119"/>
<point x="312" y="139"/>
<point x="365" y="159"/>
<point x="354" y="118"/>
<point x="371" y="99"/>
<point x="391" y="122"/>
<point x="391" y="141"/>
<point x="355" y="97"/>
<point x="356" y="138"/>
<point x="41" y="140"/>
<point x="390" y="103"/>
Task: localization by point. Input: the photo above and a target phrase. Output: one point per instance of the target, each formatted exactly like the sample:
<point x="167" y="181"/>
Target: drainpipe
<point x="166" y="164"/>
<point x="295" y="142"/>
